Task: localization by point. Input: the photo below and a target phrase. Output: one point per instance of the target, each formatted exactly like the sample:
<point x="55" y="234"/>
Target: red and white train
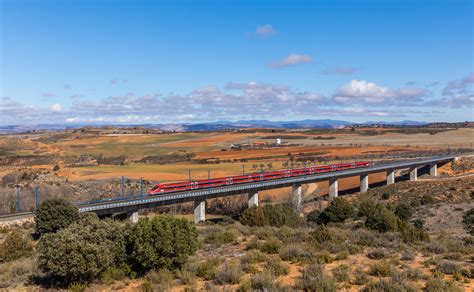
<point x="252" y="177"/>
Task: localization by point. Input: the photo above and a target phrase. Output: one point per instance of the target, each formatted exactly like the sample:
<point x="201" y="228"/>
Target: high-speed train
<point x="252" y="177"/>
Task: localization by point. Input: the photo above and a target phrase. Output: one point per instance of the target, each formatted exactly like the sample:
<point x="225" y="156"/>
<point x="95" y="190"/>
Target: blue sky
<point x="68" y="61"/>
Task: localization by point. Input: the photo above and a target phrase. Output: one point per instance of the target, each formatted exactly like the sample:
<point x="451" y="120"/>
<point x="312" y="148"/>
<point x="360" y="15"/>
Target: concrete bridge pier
<point x="297" y="197"/>
<point x="433" y="169"/>
<point x="199" y="210"/>
<point x="333" y="188"/>
<point x="414" y="173"/>
<point x="253" y="199"/>
<point x="364" y="183"/>
<point x="132" y="216"/>
<point x="390" y="177"/>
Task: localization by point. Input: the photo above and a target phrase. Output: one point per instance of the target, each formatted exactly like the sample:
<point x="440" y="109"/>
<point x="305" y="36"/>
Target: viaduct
<point x="130" y="206"/>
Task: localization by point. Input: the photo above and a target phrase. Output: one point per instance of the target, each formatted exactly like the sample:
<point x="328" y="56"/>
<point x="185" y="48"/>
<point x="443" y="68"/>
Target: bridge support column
<point x="132" y="216"/>
<point x="333" y="188"/>
<point x="364" y="183"/>
<point x="297" y="197"/>
<point x="199" y="210"/>
<point x="390" y="177"/>
<point x="434" y="169"/>
<point x="414" y="173"/>
<point x="253" y="199"/>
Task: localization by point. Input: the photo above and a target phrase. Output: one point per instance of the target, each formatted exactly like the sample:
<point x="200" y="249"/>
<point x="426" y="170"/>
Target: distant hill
<point x="241" y="124"/>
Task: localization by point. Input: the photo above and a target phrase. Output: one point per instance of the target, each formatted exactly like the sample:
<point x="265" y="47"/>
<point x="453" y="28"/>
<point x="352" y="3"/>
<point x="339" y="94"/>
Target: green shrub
<point x="404" y="211"/>
<point x="380" y="269"/>
<point x="378" y="254"/>
<point x="116" y="273"/>
<point x="229" y="274"/>
<point x="410" y="234"/>
<point x="272" y="215"/>
<point x="448" y="267"/>
<point x="219" y="237"/>
<point x="385" y="196"/>
<point x="341" y="273"/>
<point x="322" y="257"/>
<point x="55" y="214"/>
<point x="342" y="255"/>
<point x="253" y="257"/>
<point x="253" y="216"/>
<point x="271" y="246"/>
<point x="427" y="200"/>
<point x="313" y="278"/>
<point x="208" y="268"/>
<point x="338" y="211"/>
<point x="294" y="253"/>
<point x="277" y="267"/>
<point x="313" y="216"/>
<point x="361" y="278"/>
<point x="82" y="252"/>
<point x="264" y="281"/>
<point x="161" y="280"/>
<point x="381" y="219"/>
<point x="437" y="284"/>
<point x="161" y="242"/>
<point x="186" y="274"/>
<point x="366" y="208"/>
<point x="16" y="245"/>
<point x="321" y="234"/>
<point x="468" y="221"/>
<point x="386" y="285"/>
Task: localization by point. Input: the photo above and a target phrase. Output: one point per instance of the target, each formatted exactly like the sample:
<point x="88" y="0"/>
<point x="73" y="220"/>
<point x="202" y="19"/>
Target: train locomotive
<point x="252" y="177"/>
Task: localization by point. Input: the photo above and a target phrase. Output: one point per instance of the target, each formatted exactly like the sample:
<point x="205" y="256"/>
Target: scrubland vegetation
<point x="378" y="241"/>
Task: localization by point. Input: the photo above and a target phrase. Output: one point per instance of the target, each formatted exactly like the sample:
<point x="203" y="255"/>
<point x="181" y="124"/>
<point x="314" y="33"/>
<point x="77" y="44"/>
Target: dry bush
<point x="378" y="254"/>
<point x="276" y="266"/>
<point x="380" y="269"/>
<point x="229" y="273"/>
<point x="17" y="244"/>
<point x="15" y="273"/>
<point x="314" y="278"/>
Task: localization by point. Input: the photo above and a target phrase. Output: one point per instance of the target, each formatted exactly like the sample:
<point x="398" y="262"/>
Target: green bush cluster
<point x="338" y="211"/>
<point x="270" y="215"/>
<point x="82" y="252"/>
<point x="89" y="248"/>
<point x="55" y="214"/>
<point x="161" y="242"/>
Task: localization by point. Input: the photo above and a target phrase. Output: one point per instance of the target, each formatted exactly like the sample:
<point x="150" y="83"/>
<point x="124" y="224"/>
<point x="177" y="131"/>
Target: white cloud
<point x="293" y="59"/>
<point x="56" y="108"/>
<point x="365" y="92"/>
<point x="265" y="31"/>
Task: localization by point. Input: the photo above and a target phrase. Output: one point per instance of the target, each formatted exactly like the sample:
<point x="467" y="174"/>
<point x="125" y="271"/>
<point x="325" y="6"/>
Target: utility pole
<point x="209" y="178"/>
<point x="189" y="174"/>
<point x="141" y="186"/>
<point x="243" y="169"/>
<point x="123" y="186"/>
<point x="36" y="197"/>
<point x="18" y="203"/>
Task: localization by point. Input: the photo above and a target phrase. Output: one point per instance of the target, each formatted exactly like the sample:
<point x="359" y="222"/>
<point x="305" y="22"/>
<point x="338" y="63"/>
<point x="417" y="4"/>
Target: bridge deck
<point x="109" y="207"/>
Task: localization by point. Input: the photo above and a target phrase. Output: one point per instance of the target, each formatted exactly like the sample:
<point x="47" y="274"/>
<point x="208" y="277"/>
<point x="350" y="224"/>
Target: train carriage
<point x="252" y="177"/>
